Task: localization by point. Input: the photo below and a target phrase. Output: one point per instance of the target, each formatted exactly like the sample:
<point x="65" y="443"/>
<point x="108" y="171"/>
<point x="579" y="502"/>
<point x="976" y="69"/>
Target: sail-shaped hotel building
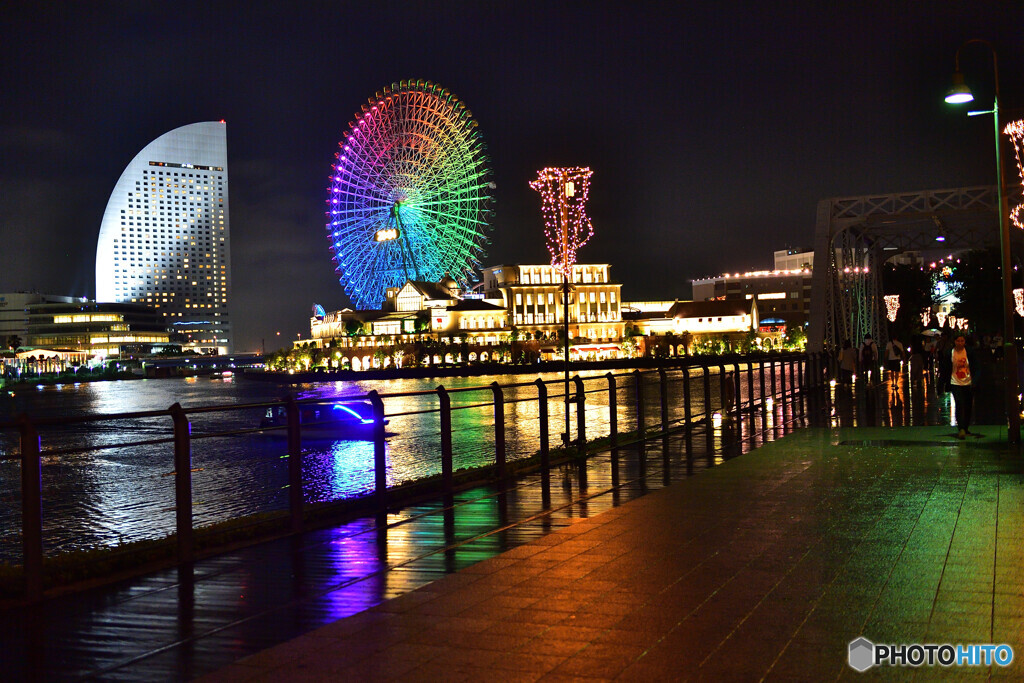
<point x="165" y="236"/>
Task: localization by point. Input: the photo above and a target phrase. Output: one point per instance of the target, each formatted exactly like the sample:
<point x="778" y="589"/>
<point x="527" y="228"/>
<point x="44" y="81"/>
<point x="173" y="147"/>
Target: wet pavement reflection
<point x="181" y="623"/>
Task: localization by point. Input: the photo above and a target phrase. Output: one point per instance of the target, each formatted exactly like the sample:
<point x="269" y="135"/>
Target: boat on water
<point x="221" y="375"/>
<point x="353" y="421"/>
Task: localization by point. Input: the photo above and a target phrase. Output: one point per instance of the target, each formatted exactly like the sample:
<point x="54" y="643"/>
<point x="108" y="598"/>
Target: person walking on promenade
<point x="962" y="362"/>
<point x="868" y="357"/>
<point x="894" y="354"/>
<point x="847" y="363"/>
<point x="917" y="361"/>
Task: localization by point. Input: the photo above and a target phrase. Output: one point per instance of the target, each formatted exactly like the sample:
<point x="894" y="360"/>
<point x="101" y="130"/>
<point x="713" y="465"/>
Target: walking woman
<point x="960" y="384"/>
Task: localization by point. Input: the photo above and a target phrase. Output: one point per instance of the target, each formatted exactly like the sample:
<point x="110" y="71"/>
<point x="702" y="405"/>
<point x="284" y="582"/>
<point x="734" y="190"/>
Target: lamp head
<point x="959" y="93"/>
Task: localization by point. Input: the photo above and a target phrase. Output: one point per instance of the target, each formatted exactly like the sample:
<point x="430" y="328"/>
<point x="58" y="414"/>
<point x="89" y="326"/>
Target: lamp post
<point x="567" y="228"/>
<point x="960" y="94"/>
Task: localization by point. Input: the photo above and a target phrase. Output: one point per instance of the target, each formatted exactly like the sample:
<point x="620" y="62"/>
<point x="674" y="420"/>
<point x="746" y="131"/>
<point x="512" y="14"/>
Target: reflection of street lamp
<point x="960" y="94"/>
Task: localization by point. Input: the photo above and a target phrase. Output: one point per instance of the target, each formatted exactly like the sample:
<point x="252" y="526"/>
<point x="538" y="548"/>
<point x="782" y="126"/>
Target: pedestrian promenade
<point x="684" y="562"/>
<point x="763" y="568"/>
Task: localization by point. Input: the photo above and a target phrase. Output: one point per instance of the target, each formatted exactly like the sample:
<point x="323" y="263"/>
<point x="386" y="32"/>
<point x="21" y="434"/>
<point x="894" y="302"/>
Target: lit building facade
<point x="783" y="295"/>
<point x="533" y="299"/>
<point x="98" y="330"/>
<point x="14" y="313"/>
<point x="165" y="237"/>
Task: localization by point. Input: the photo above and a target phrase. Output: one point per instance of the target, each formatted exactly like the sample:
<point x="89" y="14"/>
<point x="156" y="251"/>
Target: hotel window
<point x="593" y="297"/>
<point x="519" y="299"/>
<point x="602" y="297"/>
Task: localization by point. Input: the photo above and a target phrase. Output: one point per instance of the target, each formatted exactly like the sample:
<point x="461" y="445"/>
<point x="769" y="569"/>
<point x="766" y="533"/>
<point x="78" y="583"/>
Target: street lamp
<point x="960" y="94"/>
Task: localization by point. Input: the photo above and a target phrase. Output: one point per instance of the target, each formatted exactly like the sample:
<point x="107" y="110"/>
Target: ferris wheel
<point x="409" y="194"/>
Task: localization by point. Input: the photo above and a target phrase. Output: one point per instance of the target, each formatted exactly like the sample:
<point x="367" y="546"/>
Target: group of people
<point x="953" y="359"/>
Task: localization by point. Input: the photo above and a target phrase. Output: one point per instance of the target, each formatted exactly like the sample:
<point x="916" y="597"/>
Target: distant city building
<point x="14" y="313"/>
<point x="519" y="304"/>
<point x="98" y="330"/>
<point x="783" y="295"/>
<point x="165" y="237"/>
<point x="794" y="259"/>
<point x="695" y="320"/>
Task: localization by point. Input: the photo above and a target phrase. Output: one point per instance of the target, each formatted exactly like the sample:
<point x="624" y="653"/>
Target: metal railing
<point x="783" y="378"/>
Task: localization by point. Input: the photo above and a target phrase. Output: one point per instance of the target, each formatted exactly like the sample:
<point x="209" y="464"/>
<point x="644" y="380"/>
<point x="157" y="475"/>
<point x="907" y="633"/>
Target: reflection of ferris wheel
<point x="409" y="193"/>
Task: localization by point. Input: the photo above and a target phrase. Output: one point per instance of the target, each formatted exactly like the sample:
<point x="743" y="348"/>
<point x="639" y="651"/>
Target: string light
<point x="926" y="316"/>
<point x="566" y="225"/>
<point x="1016" y="132"/>
<point x="1018" y="297"/>
<point x="941" y="317"/>
<point x="892" y="306"/>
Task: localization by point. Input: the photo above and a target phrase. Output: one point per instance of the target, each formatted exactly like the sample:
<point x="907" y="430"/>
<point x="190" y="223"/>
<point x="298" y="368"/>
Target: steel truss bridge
<point x="855" y="236"/>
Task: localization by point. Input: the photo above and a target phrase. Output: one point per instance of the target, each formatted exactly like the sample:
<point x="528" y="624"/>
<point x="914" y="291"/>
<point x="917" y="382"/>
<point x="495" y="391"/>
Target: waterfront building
<point x="692" y="323"/>
<point x="532" y="295"/>
<point x="99" y="330"/>
<point x="14" y="313"/>
<point x="165" y="237"/>
<point x="783" y="295"/>
<point x="415" y="312"/>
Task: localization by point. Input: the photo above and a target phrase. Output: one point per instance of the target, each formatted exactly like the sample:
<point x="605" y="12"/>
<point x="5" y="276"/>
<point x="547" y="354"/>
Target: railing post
<point x="499" y="430"/>
<point x="792" y="378"/>
<point x="542" y="409"/>
<point x="31" y="509"/>
<point x="447" y="468"/>
<point x="613" y="412"/>
<point x="707" y="393"/>
<point x="738" y="391"/>
<point x="724" y="389"/>
<point x="294" y="463"/>
<point x="183" y="483"/>
<point x="802" y="363"/>
<point x="771" y="371"/>
<point x="581" y="416"/>
<point x="663" y="386"/>
<point x="750" y="386"/>
<point x="638" y="382"/>
<point x="760" y="370"/>
<point x="380" y="463"/>
<point x="687" y="416"/>
<point x="786" y="408"/>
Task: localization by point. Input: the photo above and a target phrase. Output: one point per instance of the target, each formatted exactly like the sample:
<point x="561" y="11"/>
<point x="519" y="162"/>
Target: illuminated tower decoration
<point x="409" y="193"/>
<point x="165" y="236"/>
<point x="566" y="224"/>
<point x="1016" y="132"/>
<point x="926" y="316"/>
<point x="941" y="317"/>
<point x="892" y="306"/>
<point x="1018" y="298"/>
<point x="567" y="227"/>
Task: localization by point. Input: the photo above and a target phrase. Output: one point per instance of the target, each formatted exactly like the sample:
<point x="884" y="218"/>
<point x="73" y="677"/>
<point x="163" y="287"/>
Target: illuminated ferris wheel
<point x="409" y="193"/>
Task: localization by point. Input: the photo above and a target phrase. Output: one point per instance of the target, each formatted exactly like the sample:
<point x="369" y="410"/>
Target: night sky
<point x="713" y="130"/>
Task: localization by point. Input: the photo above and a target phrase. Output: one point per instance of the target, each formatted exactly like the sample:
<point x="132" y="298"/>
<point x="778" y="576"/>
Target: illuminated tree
<point x="1016" y="132"/>
<point x="566" y="224"/>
